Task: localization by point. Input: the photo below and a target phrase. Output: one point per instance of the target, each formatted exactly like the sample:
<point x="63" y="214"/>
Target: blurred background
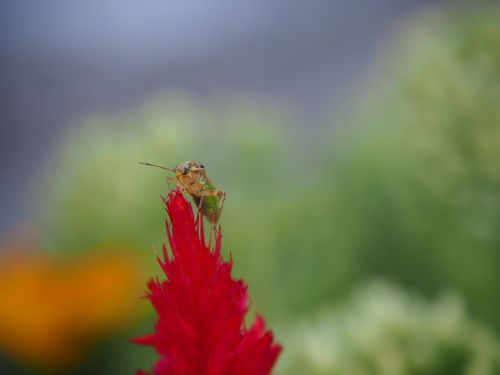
<point x="359" y="145"/>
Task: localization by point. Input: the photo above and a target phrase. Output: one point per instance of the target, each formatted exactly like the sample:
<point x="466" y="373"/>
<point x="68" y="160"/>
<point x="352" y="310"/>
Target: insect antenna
<point x="157" y="166"/>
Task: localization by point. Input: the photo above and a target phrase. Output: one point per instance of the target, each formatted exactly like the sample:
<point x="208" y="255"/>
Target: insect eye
<point x="202" y="166"/>
<point x="186" y="170"/>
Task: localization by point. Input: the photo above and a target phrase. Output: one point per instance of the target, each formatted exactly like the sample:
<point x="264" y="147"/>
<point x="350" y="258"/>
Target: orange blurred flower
<point x="50" y="309"/>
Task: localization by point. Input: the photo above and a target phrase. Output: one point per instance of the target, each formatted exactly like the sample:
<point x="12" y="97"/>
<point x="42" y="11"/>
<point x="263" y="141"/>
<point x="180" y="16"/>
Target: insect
<point x="192" y="178"/>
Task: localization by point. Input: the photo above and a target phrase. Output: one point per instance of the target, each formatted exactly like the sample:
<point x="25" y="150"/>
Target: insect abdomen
<point x="210" y="207"/>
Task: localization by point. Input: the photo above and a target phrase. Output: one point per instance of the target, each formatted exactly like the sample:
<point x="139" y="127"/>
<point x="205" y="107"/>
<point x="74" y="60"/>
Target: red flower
<point x="201" y="308"/>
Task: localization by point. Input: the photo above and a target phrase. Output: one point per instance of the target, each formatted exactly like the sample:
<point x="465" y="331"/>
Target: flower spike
<point x="201" y="308"/>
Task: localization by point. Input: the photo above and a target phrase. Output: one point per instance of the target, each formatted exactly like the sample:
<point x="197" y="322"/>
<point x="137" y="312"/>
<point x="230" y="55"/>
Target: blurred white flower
<point x="383" y="330"/>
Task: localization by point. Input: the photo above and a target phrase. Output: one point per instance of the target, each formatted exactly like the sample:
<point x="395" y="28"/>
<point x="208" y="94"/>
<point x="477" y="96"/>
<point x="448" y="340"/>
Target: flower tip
<point x="177" y="205"/>
<point x="144" y="340"/>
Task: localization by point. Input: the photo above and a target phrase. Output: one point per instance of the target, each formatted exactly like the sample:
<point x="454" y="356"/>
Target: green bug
<point x="192" y="178"/>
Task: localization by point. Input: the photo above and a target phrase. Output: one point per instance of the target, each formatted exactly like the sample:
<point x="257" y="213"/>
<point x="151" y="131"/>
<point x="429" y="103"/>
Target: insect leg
<point x="223" y="196"/>
<point x="199" y="214"/>
<point x="170" y="179"/>
<point x="212" y="227"/>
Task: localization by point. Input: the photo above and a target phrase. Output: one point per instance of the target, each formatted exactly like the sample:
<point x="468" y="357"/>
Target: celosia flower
<point x="201" y="308"/>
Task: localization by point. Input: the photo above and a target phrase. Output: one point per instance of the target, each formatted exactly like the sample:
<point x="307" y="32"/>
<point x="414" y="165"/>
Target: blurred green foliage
<point x="418" y="185"/>
<point x="382" y="330"/>
<point x="95" y="193"/>
<point x="411" y="193"/>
